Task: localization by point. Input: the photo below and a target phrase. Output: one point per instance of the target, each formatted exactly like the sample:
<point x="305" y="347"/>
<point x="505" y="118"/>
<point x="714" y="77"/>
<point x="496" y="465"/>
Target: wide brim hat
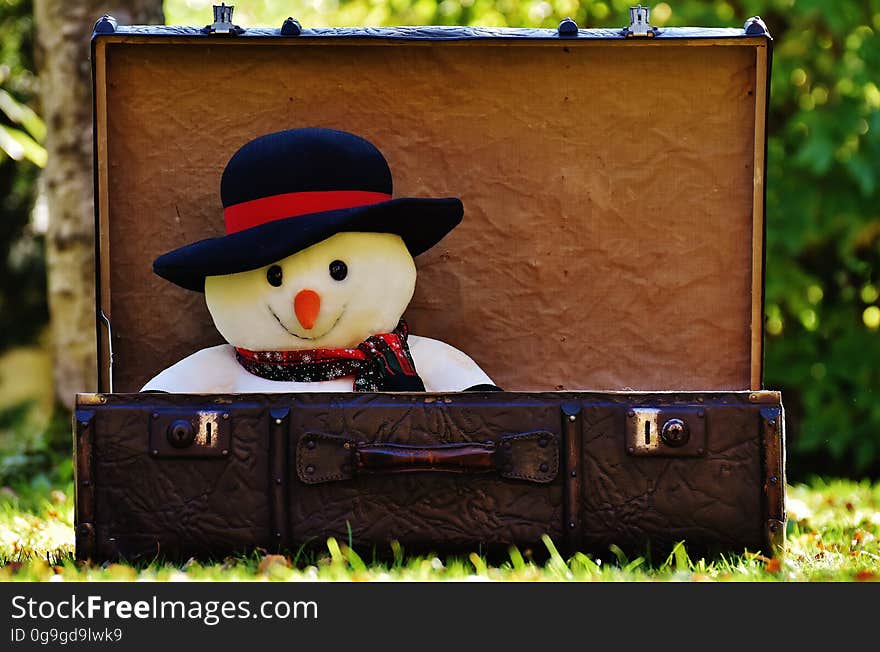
<point x="291" y="189"/>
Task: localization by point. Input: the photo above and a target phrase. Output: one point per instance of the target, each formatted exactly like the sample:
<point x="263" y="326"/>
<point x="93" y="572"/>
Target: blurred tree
<point x="63" y="31"/>
<point x="23" y="310"/>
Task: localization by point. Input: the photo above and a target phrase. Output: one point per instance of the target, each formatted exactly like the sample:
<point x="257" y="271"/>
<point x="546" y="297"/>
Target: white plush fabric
<point x="251" y="313"/>
<point x="215" y="370"/>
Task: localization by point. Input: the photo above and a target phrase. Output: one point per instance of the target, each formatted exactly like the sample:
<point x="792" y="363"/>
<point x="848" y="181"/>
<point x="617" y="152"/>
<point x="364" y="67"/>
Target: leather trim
<point x="279" y="424"/>
<point x="84" y="483"/>
<point x="431" y="33"/>
<point x="321" y="457"/>
<point x="531" y="456"/>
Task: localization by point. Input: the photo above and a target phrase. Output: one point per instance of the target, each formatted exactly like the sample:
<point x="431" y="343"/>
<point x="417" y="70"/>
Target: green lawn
<point x="833" y="534"/>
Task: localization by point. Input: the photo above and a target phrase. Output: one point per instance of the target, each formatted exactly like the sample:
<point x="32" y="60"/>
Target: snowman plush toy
<point x="309" y="283"/>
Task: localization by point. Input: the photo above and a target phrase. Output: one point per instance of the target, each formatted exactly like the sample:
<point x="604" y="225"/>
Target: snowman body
<point x="332" y="295"/>
<point x="215" y="370"/>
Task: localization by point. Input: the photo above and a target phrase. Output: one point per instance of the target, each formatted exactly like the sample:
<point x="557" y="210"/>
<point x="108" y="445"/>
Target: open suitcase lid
<point x="613" y="187"/>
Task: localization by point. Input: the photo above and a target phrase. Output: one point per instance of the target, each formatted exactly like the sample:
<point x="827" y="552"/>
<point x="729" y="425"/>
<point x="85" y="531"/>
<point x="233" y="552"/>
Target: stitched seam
<point x="302" y="453"/>
<point x="550" y="474"/>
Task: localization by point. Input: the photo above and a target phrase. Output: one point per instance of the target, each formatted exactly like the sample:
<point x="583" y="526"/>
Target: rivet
<point x="86" y="483"/>
<point x="772" y="423"/>
<point x="277" y="480"/>
<point x="700" y="451"/>
<point x="278" y="535"/>
<point x="506" y="444"/>
<point x="753" y="397"/>
<point x="572" y="418"/>
<point x="774" y="480"/>
<point x="630" y="450"/>
<point x="542" y="443"/>
<point x="573" y="474"/>
<point x="310" y="444"/>
<point x="224" y="452"/>
<point x="630" y="413"/>
<point x="701" y="413"/>
<point x="544" y="467"/>
<point x="567" y="28"/>
<point x="310" y="469"/>
<point x="154" y="452"/>
<point x="155" y="415"/>
<point x="346" y="445"/>
<point x="226" y="416"/>
<point x="774" y="527"/>
<point x="102" y="399"/>
<point x="278" y="422"/>
<point x="571" y="525"/>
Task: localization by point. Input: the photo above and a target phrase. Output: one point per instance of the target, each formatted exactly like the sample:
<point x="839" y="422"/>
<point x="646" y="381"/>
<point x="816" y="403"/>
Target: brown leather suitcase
<point x="435" y="472"/>
<point x="608" y="274"/>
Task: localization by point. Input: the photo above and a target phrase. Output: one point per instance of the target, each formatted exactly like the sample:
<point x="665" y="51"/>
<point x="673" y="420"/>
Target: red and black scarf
<point x="380" y="363"/>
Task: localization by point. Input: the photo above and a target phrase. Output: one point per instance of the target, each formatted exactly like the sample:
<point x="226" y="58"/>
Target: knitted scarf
<point x="380" y="363"/>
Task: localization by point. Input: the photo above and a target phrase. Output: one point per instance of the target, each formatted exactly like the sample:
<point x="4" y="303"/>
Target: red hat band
<point x="249" y="214"/>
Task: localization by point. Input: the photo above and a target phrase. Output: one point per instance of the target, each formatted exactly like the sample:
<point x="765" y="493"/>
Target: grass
<point x="833" y="535"/>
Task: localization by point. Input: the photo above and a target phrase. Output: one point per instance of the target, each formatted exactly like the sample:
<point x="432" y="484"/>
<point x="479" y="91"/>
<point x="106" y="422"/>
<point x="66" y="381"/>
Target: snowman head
<point x="333" y="294"/>
<point x="317" y="253"/>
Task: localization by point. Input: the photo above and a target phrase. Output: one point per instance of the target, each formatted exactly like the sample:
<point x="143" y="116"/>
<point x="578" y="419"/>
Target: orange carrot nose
<point x="306" y="305"/>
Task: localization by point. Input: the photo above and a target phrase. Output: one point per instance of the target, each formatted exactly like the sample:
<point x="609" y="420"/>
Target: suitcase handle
<point x="324" y="457"/>
<point x="402" y="458"/>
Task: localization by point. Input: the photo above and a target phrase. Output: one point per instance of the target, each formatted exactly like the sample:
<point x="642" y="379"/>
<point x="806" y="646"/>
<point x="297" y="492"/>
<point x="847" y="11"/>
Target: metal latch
<point x="223" y="21"/>
<point x="205" y="433"/>
<point x="666" y="432"/>
<point x="640" y="23"/>
<point x="106" y="322"/>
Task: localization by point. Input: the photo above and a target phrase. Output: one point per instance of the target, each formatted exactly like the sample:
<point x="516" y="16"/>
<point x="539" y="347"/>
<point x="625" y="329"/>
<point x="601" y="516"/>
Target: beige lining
<point x="612" y="193"/>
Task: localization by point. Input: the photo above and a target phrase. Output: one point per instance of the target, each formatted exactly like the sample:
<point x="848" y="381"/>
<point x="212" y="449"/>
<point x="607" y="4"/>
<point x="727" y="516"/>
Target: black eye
<point x="273" y="275"/>
<point x="338" y="270"/>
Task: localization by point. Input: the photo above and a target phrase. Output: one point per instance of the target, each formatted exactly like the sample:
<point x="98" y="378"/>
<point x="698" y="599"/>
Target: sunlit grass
<point x="834" y="534"/>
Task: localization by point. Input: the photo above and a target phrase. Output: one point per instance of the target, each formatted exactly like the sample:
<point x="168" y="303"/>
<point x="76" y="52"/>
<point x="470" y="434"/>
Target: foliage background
<point x="823" y="213"/>
<point x="22" y="281"/>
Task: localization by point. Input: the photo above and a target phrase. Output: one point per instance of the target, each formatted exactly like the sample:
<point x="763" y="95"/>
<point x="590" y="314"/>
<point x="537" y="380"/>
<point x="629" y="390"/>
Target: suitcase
<point x="608" y="275"/>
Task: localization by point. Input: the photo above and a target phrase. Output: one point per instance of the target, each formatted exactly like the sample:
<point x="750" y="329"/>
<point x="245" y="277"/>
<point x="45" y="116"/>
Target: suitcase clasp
<point x="223" y="21"/>
<point x="205" y="434"/>
<point x="640" y="23"/>
<point x="666" y="431"/>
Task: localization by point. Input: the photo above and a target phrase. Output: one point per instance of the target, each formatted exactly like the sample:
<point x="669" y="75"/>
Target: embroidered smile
<point x="303" y="337"/>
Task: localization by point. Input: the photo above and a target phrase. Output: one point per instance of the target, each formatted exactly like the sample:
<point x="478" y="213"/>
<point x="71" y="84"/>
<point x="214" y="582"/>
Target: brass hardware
<point x="181" y="433"/>
<point x="223" y="21"/>
<point x="567" y="28"/>
<point x="754" y="26"/>
<point x="89" y="398"/>
<point x="106" y="321"/>
<point x="640" y="23"/>
<point x="291" y="27"/>
<point x="675" y="433"/>
<point x="666" y="432"/>
<point x="177" y="433"/>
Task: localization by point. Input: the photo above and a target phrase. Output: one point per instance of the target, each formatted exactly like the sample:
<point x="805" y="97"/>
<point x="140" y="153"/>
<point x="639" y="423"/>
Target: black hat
<point x="288" y="190"/>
